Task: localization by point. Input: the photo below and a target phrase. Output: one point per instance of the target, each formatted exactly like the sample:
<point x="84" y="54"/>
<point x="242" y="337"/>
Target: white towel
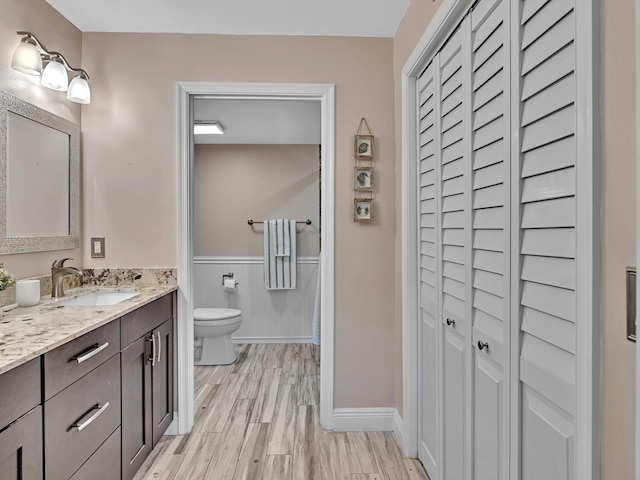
<point x="283" y="237"/>
<point x="280" y="269"/>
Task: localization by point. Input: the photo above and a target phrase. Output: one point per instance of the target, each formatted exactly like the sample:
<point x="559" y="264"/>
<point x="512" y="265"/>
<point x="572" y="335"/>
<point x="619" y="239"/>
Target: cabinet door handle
<point x="159" y="347"/>
<point x="152" y="359"/>
<point x="99" y="410"/>
<point x="451" y="322"/>
<point x="482" y="345"/>
<point x="93" y="350"/>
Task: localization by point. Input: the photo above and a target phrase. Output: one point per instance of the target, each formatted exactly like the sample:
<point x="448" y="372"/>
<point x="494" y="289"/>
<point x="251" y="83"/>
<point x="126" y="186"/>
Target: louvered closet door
<point x="490" y="237"/>
<point x="428" y="330"/>
<point x="453" y="166"/>
<point x="548" y="242"/>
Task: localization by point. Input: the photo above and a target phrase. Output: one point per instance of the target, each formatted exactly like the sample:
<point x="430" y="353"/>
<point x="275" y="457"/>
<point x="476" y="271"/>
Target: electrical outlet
<point x="97" y="247"/>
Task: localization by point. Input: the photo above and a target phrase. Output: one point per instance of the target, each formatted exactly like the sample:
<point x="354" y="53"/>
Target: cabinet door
<point x="136" y="406"/>
<point x="21" y="448"/>
<point x="163" y="380"/>
<point x="80" y="418"/>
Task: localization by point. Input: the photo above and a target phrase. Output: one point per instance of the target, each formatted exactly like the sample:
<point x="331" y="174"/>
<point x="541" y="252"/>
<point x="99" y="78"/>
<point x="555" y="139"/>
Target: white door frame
<point x="325" y="93"/>
<point x="447" y="17"/>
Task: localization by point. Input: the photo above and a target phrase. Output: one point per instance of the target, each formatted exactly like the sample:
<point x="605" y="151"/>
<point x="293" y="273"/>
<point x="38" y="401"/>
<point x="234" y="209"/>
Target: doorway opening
<point x="188" y="95"/>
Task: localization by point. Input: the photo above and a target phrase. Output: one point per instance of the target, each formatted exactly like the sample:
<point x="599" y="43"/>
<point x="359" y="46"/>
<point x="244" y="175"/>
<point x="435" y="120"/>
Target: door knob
<point x="451" y="322"/>
<point x="482" y="345"/>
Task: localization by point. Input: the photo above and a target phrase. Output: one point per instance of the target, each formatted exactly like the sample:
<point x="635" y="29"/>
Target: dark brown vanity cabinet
<point x="147" y="381"/>
<point x="94" y="407"/>
<point x="21" y="423"/>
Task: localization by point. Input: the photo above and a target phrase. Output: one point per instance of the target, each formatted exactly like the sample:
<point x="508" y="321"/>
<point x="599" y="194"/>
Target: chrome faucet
<point x="58" y="271"/>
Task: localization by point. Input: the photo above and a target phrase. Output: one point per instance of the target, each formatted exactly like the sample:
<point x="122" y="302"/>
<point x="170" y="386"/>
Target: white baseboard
<point x="398" y="429"/>
<point x="271" y="340"/>
<point x="363" y="419"/>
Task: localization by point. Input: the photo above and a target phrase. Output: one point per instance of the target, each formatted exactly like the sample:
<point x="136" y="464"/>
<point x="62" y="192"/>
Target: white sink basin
<point x="99" y="299"/>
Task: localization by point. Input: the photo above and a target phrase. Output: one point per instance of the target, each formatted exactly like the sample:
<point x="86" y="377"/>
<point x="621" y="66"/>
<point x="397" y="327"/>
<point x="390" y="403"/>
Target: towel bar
<point x="251" y="222"/>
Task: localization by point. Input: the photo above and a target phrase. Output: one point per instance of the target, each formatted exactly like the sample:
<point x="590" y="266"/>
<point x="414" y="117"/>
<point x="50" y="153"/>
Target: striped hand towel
<point x="280" y="259"/>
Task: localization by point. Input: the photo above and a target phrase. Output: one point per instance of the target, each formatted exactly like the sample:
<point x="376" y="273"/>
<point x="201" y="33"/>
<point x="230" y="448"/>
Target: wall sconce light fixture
<point x="29" y="57"/>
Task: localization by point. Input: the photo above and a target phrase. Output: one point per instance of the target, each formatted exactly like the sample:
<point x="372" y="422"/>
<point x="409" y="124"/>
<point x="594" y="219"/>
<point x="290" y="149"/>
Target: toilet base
<point x="216" y="351"/>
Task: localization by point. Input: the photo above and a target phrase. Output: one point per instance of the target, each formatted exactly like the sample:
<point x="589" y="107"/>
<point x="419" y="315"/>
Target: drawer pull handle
<point x="152" y="359"/>
<point x="94" y="350"/>
<point x="482" y="345"/>
<point x="159" y="346"/>
<point x="99" y="410"/>
<point x="451" y="322"/>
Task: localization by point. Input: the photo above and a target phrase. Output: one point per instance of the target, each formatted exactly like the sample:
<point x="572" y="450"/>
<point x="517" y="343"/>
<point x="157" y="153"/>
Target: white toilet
<point x="213" y="328"/>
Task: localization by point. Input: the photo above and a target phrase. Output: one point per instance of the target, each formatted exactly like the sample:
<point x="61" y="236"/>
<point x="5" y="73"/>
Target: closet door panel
<point x="429" y="318"/>
<point x="548" y="448"/>
<point x="453" y="179"/>
<point x="454" y="404"/>
<point x="547" y="252"/>
<point x="489" y="419"/>
<point x="490" y="238"/>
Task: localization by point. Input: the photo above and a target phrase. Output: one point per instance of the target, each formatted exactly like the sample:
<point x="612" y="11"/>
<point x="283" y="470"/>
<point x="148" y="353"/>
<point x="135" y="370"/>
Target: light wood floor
<point x="258" y="419"/>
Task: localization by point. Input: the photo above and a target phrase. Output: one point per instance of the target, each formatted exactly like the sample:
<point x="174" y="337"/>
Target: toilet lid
<point x="215" y="313"/>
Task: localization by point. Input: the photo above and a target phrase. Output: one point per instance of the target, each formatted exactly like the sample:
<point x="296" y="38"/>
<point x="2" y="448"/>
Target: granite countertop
<point x="27" y="332"/>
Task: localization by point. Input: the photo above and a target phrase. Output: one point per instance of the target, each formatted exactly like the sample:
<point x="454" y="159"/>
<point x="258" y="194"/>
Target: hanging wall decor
<point x="363" y="144"/>
<point x="363" y="179"/>
<point x="363" y="210"/>
<point x="363" y="147"/>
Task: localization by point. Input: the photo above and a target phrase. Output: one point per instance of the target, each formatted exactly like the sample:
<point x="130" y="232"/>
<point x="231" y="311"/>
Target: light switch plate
<point x="97" y="247"/>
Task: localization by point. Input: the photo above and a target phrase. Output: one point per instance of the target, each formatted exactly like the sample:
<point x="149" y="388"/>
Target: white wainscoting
<point x="268" y="316"/>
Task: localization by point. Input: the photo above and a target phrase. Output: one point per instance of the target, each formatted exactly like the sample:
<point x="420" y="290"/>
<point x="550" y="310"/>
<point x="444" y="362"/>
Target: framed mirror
<point x="39" y="179"/>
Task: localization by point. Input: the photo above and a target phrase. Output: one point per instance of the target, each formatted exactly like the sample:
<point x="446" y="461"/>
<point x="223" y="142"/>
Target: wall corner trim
<point x="398" y="429"/>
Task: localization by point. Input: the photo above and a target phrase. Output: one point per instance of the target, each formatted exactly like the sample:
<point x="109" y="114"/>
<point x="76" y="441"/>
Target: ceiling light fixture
<point x="28" y="58"/>
<point x="207" y="128"/>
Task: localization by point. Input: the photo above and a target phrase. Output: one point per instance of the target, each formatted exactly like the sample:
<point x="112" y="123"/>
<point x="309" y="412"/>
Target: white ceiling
<point x="352" y="18"/>
<point x="286" y="122"/>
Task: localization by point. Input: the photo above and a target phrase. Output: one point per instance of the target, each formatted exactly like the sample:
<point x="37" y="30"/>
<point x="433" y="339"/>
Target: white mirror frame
<point x="9" y="103"/>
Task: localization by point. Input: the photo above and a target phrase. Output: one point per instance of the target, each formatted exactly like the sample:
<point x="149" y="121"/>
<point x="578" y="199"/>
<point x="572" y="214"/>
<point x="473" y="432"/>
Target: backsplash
<point x="107" y="277"/>
<point x="130" y="277"/>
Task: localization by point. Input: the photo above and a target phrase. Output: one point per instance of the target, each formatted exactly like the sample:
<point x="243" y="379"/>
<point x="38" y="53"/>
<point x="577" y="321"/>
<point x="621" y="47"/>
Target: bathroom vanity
<point x="86" y="392"/>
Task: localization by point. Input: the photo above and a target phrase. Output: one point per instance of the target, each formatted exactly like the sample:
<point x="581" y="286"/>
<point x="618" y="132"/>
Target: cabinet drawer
<point x="80" y="418"/>
<point x="19" y="391"/>
<point x="141" y="321"/>
<point x="21" y="448"/>
<point x="73" y="360"/>
<point x="104" y="463"/>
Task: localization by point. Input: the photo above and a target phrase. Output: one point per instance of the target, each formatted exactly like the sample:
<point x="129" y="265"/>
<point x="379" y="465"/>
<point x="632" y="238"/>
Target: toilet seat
<point x="217" y="316"/>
